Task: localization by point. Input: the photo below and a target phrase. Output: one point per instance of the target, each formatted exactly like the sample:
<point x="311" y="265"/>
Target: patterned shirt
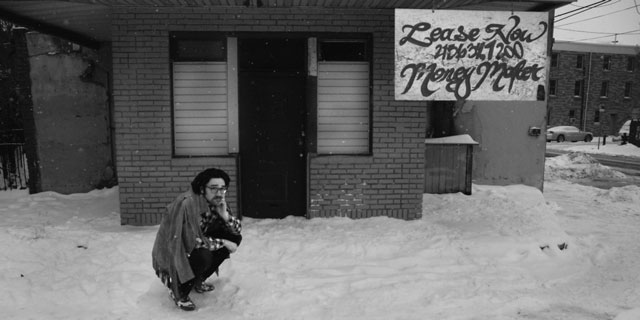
<point x="211" y="219"/>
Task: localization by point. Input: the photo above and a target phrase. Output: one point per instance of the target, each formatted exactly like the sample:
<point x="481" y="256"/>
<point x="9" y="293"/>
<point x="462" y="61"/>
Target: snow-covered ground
<point x="505" y="252"/>
<point x="597" y="147"/>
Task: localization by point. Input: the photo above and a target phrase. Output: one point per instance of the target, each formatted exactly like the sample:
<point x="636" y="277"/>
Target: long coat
<point x="176" y="238"/>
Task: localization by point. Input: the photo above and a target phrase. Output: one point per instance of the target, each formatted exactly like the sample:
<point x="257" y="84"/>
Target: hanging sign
<point x="470" y="55"/>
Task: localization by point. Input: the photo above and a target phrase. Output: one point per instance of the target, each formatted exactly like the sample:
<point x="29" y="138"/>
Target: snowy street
<point x="505" y="252"/>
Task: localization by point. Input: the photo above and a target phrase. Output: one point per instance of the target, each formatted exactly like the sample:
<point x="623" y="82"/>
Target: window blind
<point x="200" y="108"/>
<point x="343" y="107"/>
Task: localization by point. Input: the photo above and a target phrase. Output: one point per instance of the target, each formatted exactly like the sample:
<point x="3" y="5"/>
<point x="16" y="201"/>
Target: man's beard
<point x="216" y="200"/>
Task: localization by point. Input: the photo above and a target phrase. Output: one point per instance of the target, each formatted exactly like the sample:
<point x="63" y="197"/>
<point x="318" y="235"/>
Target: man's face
<point x="215" y="191"/>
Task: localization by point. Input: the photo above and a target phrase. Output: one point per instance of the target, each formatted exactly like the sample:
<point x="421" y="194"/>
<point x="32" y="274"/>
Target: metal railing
<point x="14" y="173"/>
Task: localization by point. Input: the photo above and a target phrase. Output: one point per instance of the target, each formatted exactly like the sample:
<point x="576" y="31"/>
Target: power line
<point x="606" y="5"/>
<point x="606" y="14"/>
<point x="609" y="35"/>
<point x="595" y="32"/>
<point x="583" y="9"/>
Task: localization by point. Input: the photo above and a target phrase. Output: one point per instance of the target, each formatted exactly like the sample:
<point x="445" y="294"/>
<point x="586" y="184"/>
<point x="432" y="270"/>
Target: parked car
<point x="625" y="128"/>
<point x="568" y="133"/>
<point x="624" y="131"/>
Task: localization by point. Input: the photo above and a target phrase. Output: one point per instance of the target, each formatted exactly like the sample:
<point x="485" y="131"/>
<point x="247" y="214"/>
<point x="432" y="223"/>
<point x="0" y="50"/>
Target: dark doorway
<point x="272" y="114"/>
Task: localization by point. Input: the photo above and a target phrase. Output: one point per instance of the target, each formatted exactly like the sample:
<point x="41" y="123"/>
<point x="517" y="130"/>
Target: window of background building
<point x="627" y="89"/>
<point x="554" y="60"/>
<point x="630" y="63"/>
<point x="572" y="113"/>
<point x="596" y="116"/>
<point x="553" y="85"/>
<point x="577" y="90"/>
<point x="199" y="79"/>
<point x="606" y="63"/>
<point x="604" y="89"/>
<point x="579" y="61"/>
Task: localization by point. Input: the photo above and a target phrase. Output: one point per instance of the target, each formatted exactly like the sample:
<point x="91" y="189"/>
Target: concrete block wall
<point x="388" y="182"/>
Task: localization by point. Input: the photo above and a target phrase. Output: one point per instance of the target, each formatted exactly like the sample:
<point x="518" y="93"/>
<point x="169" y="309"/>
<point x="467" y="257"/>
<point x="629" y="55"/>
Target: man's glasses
<point x="216" y="189"/>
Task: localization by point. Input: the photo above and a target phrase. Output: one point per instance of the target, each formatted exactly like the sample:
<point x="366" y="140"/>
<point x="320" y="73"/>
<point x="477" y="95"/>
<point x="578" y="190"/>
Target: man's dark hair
<point x="201" y="180"/>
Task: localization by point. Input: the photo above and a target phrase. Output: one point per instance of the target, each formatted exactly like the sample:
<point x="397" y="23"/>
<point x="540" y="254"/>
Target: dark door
<point x="272" y="116"/>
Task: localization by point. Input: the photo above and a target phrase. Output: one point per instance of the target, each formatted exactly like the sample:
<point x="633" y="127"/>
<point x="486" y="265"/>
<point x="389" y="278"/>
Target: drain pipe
<point x="586" y="96"/>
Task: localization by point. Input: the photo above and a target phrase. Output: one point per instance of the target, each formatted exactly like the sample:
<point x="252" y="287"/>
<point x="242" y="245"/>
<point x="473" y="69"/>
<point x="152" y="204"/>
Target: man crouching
<point x="196" y="235"/>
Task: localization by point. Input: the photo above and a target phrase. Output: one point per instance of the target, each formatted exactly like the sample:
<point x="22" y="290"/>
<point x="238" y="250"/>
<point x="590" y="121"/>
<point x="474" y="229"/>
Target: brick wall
<point x="389" y="182"/>
<point x="615" y="103"/>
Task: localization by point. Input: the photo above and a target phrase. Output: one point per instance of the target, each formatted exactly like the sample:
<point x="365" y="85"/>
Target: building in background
<point x="55" y="132"/>
<point x="594" y="87"/>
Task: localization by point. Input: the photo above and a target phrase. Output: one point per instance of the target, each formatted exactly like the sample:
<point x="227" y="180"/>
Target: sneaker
<point x="184" y="303"/>
<point x="203" y="287"/>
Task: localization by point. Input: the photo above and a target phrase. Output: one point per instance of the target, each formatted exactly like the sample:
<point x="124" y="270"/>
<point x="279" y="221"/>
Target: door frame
<point x="305" y="122"/>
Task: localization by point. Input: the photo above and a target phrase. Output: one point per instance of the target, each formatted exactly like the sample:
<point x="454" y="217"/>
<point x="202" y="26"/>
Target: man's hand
<point x="222" y="210"/>
<point x="232" y="247"/>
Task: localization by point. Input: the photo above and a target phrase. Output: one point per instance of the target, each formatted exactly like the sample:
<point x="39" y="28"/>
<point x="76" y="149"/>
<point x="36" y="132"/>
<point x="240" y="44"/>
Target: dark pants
<point x="203" y="264"/>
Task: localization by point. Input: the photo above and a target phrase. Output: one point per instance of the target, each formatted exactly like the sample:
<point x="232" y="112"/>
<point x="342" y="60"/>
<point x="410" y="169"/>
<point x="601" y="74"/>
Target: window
<point x="579" y="61"/>
<point x="553" y="85"/>
<point x="554" y="60"/>
<point x="195" y="49"/>
<point x="344" y="95"/>
<point x="596" y="116"/>
<point x="630" y="63"/>
<point x="343" y="50"/>
<point x="572" y="113"/>
<point x="199" y="79"/>
<point x="604" y="89"/>
<point x="577" y="91"/>
<point x="627" y="89"/>
<point x="606" y="63"/>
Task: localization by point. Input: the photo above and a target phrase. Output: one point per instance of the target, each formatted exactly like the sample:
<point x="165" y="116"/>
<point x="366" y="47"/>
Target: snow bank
<point x="504" y="252"/>
<point x="511" y="224"/>
<point x="577" y="165"/>
<point x="68" y="258"/>
<point x="611" y="148"/>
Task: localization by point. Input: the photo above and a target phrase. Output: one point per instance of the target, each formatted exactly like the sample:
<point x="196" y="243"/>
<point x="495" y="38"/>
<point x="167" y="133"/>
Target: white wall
<point x="506" y="153"/>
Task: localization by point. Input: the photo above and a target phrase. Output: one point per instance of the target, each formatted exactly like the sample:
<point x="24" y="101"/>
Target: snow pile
<point x="469" y="255"/>
<point x="68" y="257"/>
<point x="577" y="165"/>
<point x="626" y="194"/>
<point x="504" y="252"/>
<point x="521" y="221"/>
<point x="633" y="314"/>
<point x="611" y="148"/>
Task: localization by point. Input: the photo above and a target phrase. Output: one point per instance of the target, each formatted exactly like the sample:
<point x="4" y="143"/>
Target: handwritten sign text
<point x="488" y="56"/>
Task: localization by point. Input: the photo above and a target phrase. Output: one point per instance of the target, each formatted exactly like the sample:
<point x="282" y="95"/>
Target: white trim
<point x="232" y="95"/>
